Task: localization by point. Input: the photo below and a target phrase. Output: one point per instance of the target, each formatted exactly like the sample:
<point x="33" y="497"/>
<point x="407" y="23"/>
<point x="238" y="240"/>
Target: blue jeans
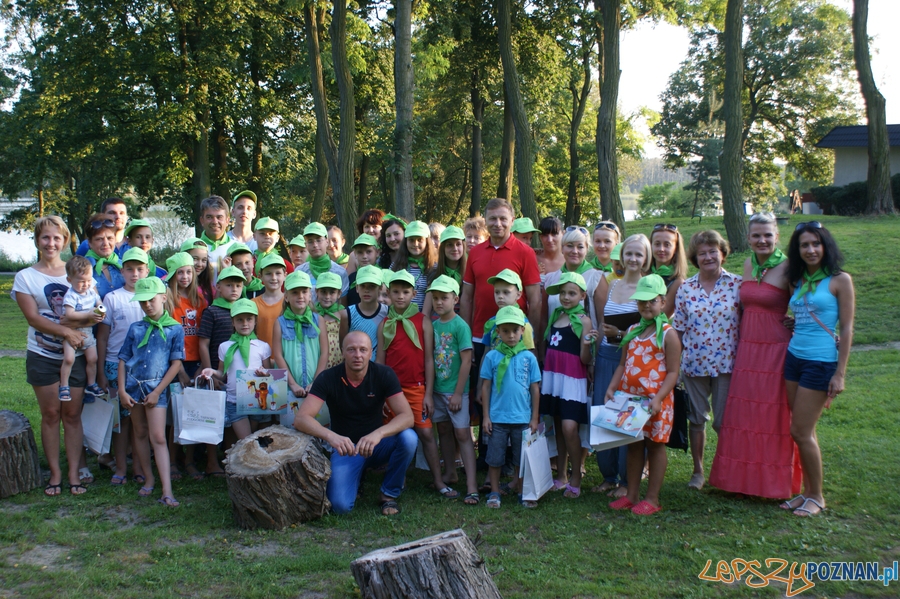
<point x="346" y="471"/>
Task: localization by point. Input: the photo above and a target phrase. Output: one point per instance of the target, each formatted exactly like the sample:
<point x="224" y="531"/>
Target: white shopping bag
<point x="97" y="422"/>
<point x="602" y="438"/>
<point x="534" y="469"/>
<point x="176" y="401"/>
<point x="201" y="416"/>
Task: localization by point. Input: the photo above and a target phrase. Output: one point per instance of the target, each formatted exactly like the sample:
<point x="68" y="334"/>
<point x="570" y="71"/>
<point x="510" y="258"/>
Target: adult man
<point x="214" y="220"/>
<point x="117" y="212"/>
<point x="355" y="391"/>
<point x="316" y="237"/>
<point x="243" y="211"/>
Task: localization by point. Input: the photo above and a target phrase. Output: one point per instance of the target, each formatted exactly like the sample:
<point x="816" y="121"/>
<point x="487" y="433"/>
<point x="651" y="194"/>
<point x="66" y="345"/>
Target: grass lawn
<point x="109" y="542"/>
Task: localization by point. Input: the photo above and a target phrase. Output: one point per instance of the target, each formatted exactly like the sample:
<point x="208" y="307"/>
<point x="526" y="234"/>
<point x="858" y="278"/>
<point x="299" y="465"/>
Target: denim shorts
<point x="809" y="374"/>
<point x="231" y="415"/>
<point x="501" y="436"/>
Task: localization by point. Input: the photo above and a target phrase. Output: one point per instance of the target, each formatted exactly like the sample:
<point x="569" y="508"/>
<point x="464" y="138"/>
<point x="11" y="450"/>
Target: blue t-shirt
<point x="512" y="404"/>
<point x="146" y="366"/>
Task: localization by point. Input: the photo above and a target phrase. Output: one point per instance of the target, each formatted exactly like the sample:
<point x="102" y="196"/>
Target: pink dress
<point x="756" y="454"/>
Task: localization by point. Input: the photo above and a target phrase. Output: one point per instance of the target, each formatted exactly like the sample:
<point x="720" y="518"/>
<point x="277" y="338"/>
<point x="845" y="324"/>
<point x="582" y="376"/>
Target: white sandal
<point x="85" y="476"/>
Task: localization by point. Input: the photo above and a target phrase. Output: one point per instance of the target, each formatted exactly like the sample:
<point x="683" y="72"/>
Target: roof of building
<point x="856" y="136"/>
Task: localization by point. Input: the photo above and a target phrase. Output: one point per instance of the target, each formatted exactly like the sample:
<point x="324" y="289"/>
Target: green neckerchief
<point x="222" y="303"/>
<point x="419" y="262"/>
<point x="663" y="271"/>
<point x="254" y="285"/>
<point x="320" y="265"/>
<point x="454" y="274"/>
<point x="113" y="260"/>
<point x="581" y="269"/>
<point x="164" y="321"/>
<point x="215" y="244"/>
<point x="508" y="354"/>
<point x="573" y="314"/>
<point x="390" y="325"/>
<point x="774" y="260"/>
<point x="342" y="259"/>
<point x="595" y="262"/>
<point x="637" y="329"/>
<point x="810" y="281"/>
<point x="242" y="343"/>
<point x="330" y="310"/>
<point x="305" y="318"/>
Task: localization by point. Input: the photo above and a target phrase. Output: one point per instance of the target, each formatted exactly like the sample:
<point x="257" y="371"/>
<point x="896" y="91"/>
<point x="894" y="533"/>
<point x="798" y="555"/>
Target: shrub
<point x="850" y="200"/>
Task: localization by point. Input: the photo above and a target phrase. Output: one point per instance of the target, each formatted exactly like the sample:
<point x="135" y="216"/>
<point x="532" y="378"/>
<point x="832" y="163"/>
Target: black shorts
<point x="41" y="371"/>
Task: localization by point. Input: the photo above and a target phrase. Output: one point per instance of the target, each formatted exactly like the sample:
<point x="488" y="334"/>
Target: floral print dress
<point x="645" y="371"/>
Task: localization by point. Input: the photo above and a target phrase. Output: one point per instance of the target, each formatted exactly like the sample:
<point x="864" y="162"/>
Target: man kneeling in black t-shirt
<point x="355" y="392"/>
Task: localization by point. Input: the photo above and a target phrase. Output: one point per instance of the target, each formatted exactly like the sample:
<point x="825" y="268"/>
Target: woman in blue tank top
<point x="815" y="366"/>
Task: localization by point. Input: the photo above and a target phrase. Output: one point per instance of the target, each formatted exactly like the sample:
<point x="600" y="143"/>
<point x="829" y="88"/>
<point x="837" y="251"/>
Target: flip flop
<point x="74" y="489"/>
<point x="145" y="492"/>
<point x="472" y="499"/>
<point x="493" y="501"/>
<point x="57" y="490"/>
<point x="448" y="493"/>
<point x="390" y="504"/>
<point x="558" y="485"/>
<point x="193" y="472"/>
<point x="505" y="489"/>
<point x="805" y="512"/>
<point x="622" y="503"/>
<point x="85" y="476"/>
<point x="789" y="504"/>
<point x="175" y="474"/>
<point x="527" y="503"/>
<point x="572" y="492"/>
<point x="139" y="479"/>
<point x="645" y="508"/>
<point x="168" y="501"/>
<point x="118" y="481"/>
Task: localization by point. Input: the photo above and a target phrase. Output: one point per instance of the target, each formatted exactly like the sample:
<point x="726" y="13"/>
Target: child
<point x="418" y="256"/>
<point x="316" y="236"/>
<point x="334" y="317"/>
<point x="406" y="344"/>
<point x="368" y="313"/>
<point x="452" y="361"/>
<point x="510" y="388"/>
<point x="336" y="246"/>
<point x="475" y="231"/>
<point x="242" y="259"/>
<point x="243" y="351"/>
<point x="270" y="304"/>
<point x="198" y="250"/>
<point x="365" y="250"/>
<point x="186" y="305"/>
<point x="649" y="368"/>
<point x="149" y="360"/>
<point x="384" y="298"/>
<point x="523" y="230"/>
<point x="266" y="234"/>
<point x="451" y="261"/>
<point x="81" y="298"/>
<point x="139" y="234"/>
<point x="564" y="386"/>
<point x="297" y="250"/>
<point x="507" y="291"/>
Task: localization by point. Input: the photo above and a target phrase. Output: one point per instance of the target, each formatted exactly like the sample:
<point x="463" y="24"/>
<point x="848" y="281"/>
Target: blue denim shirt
<point x="104" y="286"/>
<point x="146" y="366"/>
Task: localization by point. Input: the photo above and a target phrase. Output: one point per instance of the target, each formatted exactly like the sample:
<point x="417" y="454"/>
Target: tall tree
<point x="610" y="202"/>
<point x="878" y="192"/>
<point x="730" y="160"/>
<point x="403" y="92"/>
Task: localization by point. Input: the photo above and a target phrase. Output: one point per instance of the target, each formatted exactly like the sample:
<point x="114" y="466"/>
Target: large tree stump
<point x="277" y="477"/>
<point x="442" y="566"/>
<point x="20" y="467"/>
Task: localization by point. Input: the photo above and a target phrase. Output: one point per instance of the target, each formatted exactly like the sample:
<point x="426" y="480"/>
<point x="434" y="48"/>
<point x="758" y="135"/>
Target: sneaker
<point x="94" y="390"/>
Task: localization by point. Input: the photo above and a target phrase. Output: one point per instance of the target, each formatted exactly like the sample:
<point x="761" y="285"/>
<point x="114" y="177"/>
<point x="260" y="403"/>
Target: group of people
<point x="424" y="331"/>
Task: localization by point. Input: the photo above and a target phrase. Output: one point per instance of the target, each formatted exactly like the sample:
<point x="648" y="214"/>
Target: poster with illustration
<point x="625" y="414"/>
<point x="262" y="395"/>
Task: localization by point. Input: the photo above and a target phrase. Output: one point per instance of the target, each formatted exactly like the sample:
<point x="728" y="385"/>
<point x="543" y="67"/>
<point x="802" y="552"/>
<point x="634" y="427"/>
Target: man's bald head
<point x="357" y="351"/>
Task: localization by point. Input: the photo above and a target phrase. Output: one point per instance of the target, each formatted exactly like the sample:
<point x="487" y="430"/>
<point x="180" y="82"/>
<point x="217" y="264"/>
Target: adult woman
<point x="392" y="235"/>
<point x="100" y="232"/>
<point x="39" y="292"/>
<point x="707" y="312"/>
<point x="755" y="454"/>
<point x="669" y="260"/>
<point x="615" y="312"/>
<point x="550" y="258"/>
<point x="604" y="239"/>
<point x="814" y="367"/>
<point x="368" y="223"/>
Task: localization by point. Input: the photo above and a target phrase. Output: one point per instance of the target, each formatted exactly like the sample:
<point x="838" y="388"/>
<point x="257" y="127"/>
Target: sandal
<point x="485" y="488"/>
<point x="145" y="491"/>
<point x="493" y="501"/>
<point x="558" y="485"/>
<point x="175" y="474"/>
<point x="85" y="476"/>
<point x="118" y="481"/>
<point x="505" y="489"/>
<point x="65" y="394"/>
<point x="789" y="504"/>
<point x="448" y="493"/>
<point x="387" y="506"/>
<point x="139" y="479"/>
<point x="527" y="503"/>
<point x="572" y="492"/>
<point x="77" y="489"/>
<point x="622" y="503"/>
<point x="472" y="499"/>
<point x="805" y="512"/>
<point x="604" y="488"/>
<point x="168" y="501"/>
<point x="53" y="490"/>
<point x="645" y="508"/>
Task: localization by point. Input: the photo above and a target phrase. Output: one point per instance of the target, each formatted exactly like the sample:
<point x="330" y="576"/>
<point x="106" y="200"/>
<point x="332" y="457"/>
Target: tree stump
<point x="445" y="565"/>
<point x="277" y="477"/>
<point x="20" y="467"/>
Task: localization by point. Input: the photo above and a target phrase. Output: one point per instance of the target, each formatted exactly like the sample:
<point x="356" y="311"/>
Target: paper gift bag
<point x="534" y="469"/>
<point x="97" y="422"/>
<point x="202" y="416"/>
<point x="176" y="401"/>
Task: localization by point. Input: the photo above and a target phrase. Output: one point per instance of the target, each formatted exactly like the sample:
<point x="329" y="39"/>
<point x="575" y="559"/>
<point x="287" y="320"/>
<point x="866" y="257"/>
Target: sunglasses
<point x="606" y="225"/>
<point x="99" y="224"/>
<point x="574" y="228"/>
<point x="665" y="227"/>
<point x="813" y="224"/>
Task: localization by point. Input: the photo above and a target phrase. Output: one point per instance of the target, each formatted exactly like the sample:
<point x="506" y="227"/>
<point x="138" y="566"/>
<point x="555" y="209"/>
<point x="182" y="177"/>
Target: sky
<point x="646" y="70"/>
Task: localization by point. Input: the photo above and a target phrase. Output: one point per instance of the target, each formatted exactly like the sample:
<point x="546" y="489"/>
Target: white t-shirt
<point x="259" y="351"/>
<point x="251" y="243"/>
<point x="48" y="293"/>
<point x="121" y="313"/>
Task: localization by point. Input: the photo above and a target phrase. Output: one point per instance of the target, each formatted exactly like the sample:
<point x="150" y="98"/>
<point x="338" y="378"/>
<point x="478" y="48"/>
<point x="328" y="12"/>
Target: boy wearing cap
<point x="242" y="259"/>
<point x="150" y="359"/>
<point x="452" y="362"/>
<point x="214" y="220"/>
<point x="80" y="299"/>
<point x="266" y="233"/>
<point x="215" y="324"/>
<point x="510" y="391"/>
<point x="334" y="316"/>
<point x="523" y="230"/>
<point x="365" y="251"/>
<point x="316" y="237"/>
<point x="368" y="312"/>
<point x="270" y="304"/>
<point x="299" y="341"/>
<point x="297" y="251"/>
<point x="507" y="291"/>
<point x="243" y="211"/>
<point x="139" y="234"/>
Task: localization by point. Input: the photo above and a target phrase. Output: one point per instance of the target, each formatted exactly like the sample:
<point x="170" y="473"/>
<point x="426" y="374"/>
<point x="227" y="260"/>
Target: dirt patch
<point x="14" y="508"/>
<point x="265" y="549"/>
<point x="49" y="557"/>
<point x="123" y="517"/>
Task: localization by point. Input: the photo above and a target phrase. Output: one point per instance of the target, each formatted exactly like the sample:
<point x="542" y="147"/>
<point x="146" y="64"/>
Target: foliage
<point x="851" y="199"/>
<point x="664" y="200"/>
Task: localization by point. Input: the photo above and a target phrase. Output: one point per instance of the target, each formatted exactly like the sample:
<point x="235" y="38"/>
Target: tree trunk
<point x="200" y="178"/>
<point x="730" y="158"/>
<point x="445" y="565"/>
<point x="20" y="466"/>
<point x="607" y="166"/>
<point x="507" y="149"/>
<point x="277" y="477"/>
<point x="403" y="130"/>
<point x="362" y="187"/>
<point x="524" y="155"/>
<point x="344" y="205"/>
<point x="878" y="194"/>
<point x="579" y="104"/>
<point x="315" y="214"/>
<point x="219" y="143"/>
<point x="477" y="145"/>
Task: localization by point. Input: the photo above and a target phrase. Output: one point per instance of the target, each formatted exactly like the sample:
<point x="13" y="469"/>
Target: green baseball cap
<point x="649" y="288"/>
<point x="298" y="240"/>
<point x="523" y="225"/>
<point x="193" y="242"/>
<point x="616" y="253"/>
<point x="507" y="276"/>
<point x="147" y="289"/>
<point x="401" y="276"/>
<point x="139" y="255"/>
<point x="365" y="239"/>
<point x="315" y="229"/>
<point x="567" y="277"/>
<point x="271" y="259"/>
<point x="417" y="229"/>
<point x="329" y="280"/>
<point x="369" y="274"/>
<point x="386" y="274"/>
<point x="176" y="261"/>
<point x="390" y="216"/>
<point x="231" y="272"/>
<point x="510" y="315"/>
<point x="137" y="223"/>
<point x="238" y="247"/>
<point x="298" y="278"/>
<point x="244" y="306"/>
<point x="452" y="232"/>
<point x="444" y="283"/>
<point x="243" y="194"/>
<point x="266" y="223"/>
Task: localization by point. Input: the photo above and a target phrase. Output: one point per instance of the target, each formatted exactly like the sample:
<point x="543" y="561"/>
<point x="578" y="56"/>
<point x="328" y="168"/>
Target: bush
<point x="850" y="200"/>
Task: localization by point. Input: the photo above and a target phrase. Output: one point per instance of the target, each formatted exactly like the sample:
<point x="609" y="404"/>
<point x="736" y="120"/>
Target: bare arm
<point x="323" y="352"/>
<point x="403" y="419"/>
<point x="465" y="303"/>
<point x="379" y="354"/>
<point x="79" y="319"/>
<point x="344" y="327"/>
<point x="203" y="344"/>
<point x="306" y="422"/>
<point x="486" y="402"/>
<point x="542" y="326"/>
<point x="846" y="296"/>
<point x="535" y="389"/>
<point x="673" y="364"/>
<point x="588" y="339"/>
<point x="670" y="296"/>
<point x="427" y="308"/>
<point x="533" y="297"/>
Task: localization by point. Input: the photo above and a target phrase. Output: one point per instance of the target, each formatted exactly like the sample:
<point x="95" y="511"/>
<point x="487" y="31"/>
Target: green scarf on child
<point x="242" y="344"/>
<point x="573" y="314"/>
<point x="164" y="321"/>
<point x="319" y="265"/>
<point x="508" y="354"/>
<point x="390" y="325"/>
<point x="639" y="328"/>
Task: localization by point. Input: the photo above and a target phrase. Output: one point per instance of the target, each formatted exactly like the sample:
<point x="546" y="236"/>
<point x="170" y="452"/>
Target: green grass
<point x="15" y="328"/>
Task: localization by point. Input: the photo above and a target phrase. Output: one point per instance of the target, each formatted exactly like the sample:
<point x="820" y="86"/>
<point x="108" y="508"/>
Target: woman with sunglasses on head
<point x="549" y="256"/>
<point x="604" y="239"/>
<point x="100" y="232"/>
<point x="755" y="454"/>
<point x="669" y="260"/>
